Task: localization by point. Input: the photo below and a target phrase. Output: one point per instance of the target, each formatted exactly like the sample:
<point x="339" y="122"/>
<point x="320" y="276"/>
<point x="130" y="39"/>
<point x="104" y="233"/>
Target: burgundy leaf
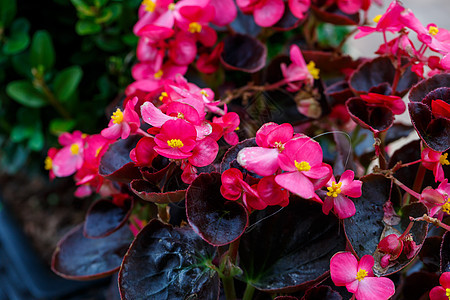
<point x="244" y="53"/>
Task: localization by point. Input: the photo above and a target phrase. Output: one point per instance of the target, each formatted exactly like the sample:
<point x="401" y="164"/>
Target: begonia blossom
<point x="441" y="292"/>
<point x="434" y="161"/>
<point x="437" y="200"/>
<point x="176" y="139"/>
<point x="358" y="277"/>
<point x="122" y="124"/>
<point x="338" y="193"/>
<point x="265" y="12"/>
<point x="394" y="103"/>
<point x="298" y="73"/>
<point x="69" y="159"/>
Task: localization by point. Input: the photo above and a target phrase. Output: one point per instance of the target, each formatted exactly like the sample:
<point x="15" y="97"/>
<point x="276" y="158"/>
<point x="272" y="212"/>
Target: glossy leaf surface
<point x="244" y="53"/>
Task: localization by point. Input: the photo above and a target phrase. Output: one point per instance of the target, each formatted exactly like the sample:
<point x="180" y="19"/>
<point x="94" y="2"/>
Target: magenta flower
<point x="176" y="139"/>
<point x="122" y="124"/>
<point x="434" y="160"/>
<point x="225" y="12"/>
<point x="263" y="160"/>
<point x="304" y="170"/>
<point x="48" y="163"/>
<point x="436" y="200"/>
<point x="70" y="158"/>
<point x="265" y="12"/>
<point x="299" y="7"/>
<point x="144" y="154"/>
<point x="441" y="292"/>
<point x="271" y="193"/>
<point x="298" y="73"/>
<point x="229" y="123"/>
<point x="358" y="277"/>
<point x="337" y="192"/>
<point x="394" y="103"/>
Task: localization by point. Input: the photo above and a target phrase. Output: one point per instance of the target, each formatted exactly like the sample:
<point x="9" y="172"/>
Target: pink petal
<point x="153" y="116"/>
<point x="327" y="205"/>
<point x="113" y="132"/>
<point x="269" y="13"/>
<point x="317" y="172"/>
<point x="125" y="128"/>
<point x="343" y="268"/>
<point x="261" y="134"/>
<point x="207" y="36"/>
<point x="444" y="280"/>
<point x="299" y="7"/>
<point x="296" y="56"/>
<point x="307" y="150"/>
<point x="204" y="152"/>
<point x="438" y="293"/>
<point x="189" y="112"/>
<point x="349" y="6"/>
<point x="271" y="193"/>
<point x="170" y="152"/>
<point x="296" y="183"/>
<point x="344" y="207"/>
<point x="375" y="288"/>
<point x="280" y="134"/>
<point x="231" y="138"/>
<point x="225" y="11"/>
<point x="262" y="161"/>
<point x="366" y="263"/>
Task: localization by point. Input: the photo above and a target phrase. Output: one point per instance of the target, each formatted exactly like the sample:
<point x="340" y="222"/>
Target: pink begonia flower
<point x="271" y="193"/>
<point x="157" y="72"/>
<point x="389" y="21"/>
<point x="350" y="7"/>
<point x="175" y="110"/>
<point x="225" y="12"/>
<point x="143" y="154"/>
<point x="305" y="172"/>
<point x="182" y="50"/>
<point x="233" y="186"/>
<point x="122" y="124"/>
<point x="265" y="12"/>
<point x="204" y="152"/>
<point x="299" y="7"/>
<point x="440" y="109"/>
<point x="337" y="192"/>
<point x="229" y="123"/>
<point x="270" y="138"/>
<point x="176" y="139"/>
<point x="298" y="73"/>
<point x="441" y="292"/>
<point x="394" y="103"/>
<point x="69" y="159"/>
<point x="156" y="12"/>
<point x="358" y="277"/>
<point x="48" y="163"/>
<point x="436" y="200"/>
<point x="209" y="63"/>
<point x="434" y="160"/>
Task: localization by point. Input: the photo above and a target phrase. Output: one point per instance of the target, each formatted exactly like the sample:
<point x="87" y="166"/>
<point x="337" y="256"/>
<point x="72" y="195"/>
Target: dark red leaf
<point x="244" y="53"/>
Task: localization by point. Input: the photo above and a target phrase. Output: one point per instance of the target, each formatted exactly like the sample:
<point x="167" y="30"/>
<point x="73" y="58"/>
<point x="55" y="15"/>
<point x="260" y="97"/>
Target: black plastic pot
<point x="23" y="274"/>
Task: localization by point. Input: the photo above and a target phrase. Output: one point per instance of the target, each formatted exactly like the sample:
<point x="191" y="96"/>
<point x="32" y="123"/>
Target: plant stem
<point x="418" y="181"/>
<point x="431" y="220"/>
<point x="162" y="212"/>
<point x="249" y="291"/>
<point x="228" y="287"/>
<point x="233" y="250"/>
<point x="51" y="97"/>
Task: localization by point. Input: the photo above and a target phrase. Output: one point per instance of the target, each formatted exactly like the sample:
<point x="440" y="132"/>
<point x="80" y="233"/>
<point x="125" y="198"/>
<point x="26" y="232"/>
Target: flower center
<point x="180" y="116"/>
<point x="302" y="166"/>
<point x="377" y="18"/>
<point x="443" y="159"/>
<point x="171" y="6"/>
<point x="280" y="147"/>
<point x="48" y="163"/>
<point x="311" y="66"/>
<point x="433" y="30"/>
<point x="334" y="190"/>
<point x="74" y="149"/>
<point x="175" y="143"/>
<point x="195" y="27"/>
<point x="361" y="274"/>
<point x="446" y="207"/>
<point x="117" y="116"/>
<point x="149" y="5"/>
<point x="163" y="95"/>
<point x="204" y="93"/>
<point x="447" y="293"/>
<point x="158" y="74"/>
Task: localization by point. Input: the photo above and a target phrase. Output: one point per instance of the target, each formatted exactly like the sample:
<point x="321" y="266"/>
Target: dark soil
<point x="45" y="210"/>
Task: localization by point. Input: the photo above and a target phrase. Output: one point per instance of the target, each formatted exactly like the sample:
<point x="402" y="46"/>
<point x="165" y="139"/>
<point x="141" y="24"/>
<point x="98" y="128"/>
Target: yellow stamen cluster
<point x="97" y="152"/>
<point x="175" y="143"/>
<point x="171" y="6"/>
<point x="279" y="146"/>
<point x="74" y="149"/>
<point x="433" y="30"/>
<point x="149" y="5"/>
<point x="48" y="163"/>
<point x="361" y="274"/>
<point x="334" y="190"/>
<point x="180" y="116"/>
<point x="313" y="70"/>
<point x="117" y="116"/>
<point x="158" y="74"/>
<point x="446" y="207"/>
<point x="195" y="27"/>
<point x="203" y="92"/>
<point x="447" y="293"/>
<point x="377" y="18"/>
<point x="302" y="166"/>
<point x="163" y="95"/>
<point x="443" y="159"/>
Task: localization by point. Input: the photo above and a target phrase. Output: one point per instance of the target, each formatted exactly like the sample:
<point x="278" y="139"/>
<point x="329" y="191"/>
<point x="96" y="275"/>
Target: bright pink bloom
<point x="156" y="12"/>
<point x="122" y="124"/>
<point x="434" y="160"/>
<point x="69" y="159"/>
<point x="144" y="154"/>
<point x="230" y="123"/>
<point x="337" y="192"/>
<point x="48" y="163"/>
<point x="298" y="72"/>
<point x="299" y="7"/>
<point x="204" y="152"/>
<point x="440" y="109"/>
<point x="305" y="171"/>
<point x="263" y="160"/>
<point x="358" y="277"/>
<point x="441" y="292"/>
<point x="436" y="200"/>
<point x="350" y="6"/>
<point x="271" y="193"/>
<point x="176" y="139"/>
<point x="182" y="50"/>
<point x="225" y="12"/>
<point x="265" y="12"/>
<point x="389" y="21"/>
<point x="209" y="62"/>
<point x="394" y="103"/>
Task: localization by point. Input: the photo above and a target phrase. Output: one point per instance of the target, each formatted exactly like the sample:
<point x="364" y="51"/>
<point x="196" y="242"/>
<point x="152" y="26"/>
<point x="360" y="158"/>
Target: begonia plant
<point x="248" y="161"/>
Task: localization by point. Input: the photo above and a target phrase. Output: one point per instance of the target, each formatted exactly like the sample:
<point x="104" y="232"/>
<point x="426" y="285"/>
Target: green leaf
<point x="42" y="51"/>
<point x="36" y="141"/>
<point x="7" y="12"/>
<point x="83" y="8"/>
<point x="20" y="133"/>
<point x="66" y="82"/>
<point x="105" y="16"/>
<point x="100" y="3"/>
<point x="26" y="94"/>
<point x="58" y="126"/>
<point x="19" y="39"/>
<point x="86" y="27"/>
